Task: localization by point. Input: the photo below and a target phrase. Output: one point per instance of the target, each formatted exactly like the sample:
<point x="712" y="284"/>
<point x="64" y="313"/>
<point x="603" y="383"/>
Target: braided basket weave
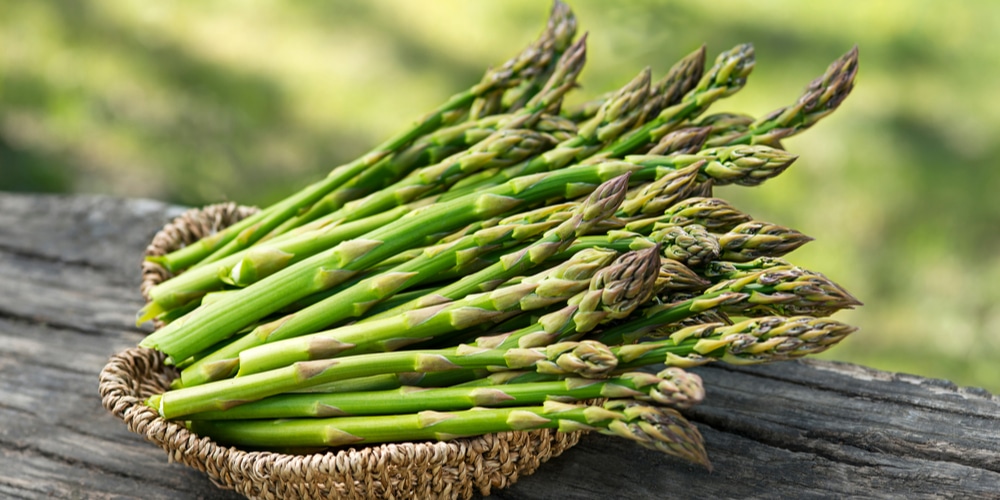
<point x="453" y="469"/>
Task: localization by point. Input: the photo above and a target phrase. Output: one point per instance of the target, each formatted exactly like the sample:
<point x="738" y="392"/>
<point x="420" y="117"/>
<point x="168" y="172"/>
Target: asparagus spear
<point x="752" y="341"/>
<point x="658" y="428"/>
<point x="661" y="194"/>
<point x="688" y="140"/>
<point x="619" y="114"/>
<point x="693" y="246"/>
<point x="821" y="97"/>
<point x="399" y="330"/>
<point x="210" y="324"/>
<point x="253" y="228"/>
<point x="714" y="214"/>
<point x="777" y="290"/>
<point x="755" y="239"/>
<point x="672" y="387"/>
<point x="680" y="79"/>
<point x="533" y="65"/>
<point x="726" y="77"/>
<point x="584" y="359"/>
<point x="614" y="293"/>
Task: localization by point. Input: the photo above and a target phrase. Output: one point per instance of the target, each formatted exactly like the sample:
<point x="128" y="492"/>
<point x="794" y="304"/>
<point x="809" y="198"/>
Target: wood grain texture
<point x="69" y="292"/>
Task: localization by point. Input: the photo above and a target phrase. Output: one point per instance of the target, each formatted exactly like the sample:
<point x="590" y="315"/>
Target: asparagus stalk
<point x="658" y="428"/>
<point x="726" y="77"/>
<point x="692" y="245"/>
<point x="210" y="324"/>
<point x="681" y="78"/>
<point x="786" y="290"/>
<point x="662" y="193"/>
<point x="251" y="229"/>
<point x="399" y="330"/>
<point x="501" y="148"/>
<point x="714" y="214"/>
<point x="584" y="359"/>
<point x="672" y="387"/>
<point x="618" y="112"/>
<point x="752" y="341"/>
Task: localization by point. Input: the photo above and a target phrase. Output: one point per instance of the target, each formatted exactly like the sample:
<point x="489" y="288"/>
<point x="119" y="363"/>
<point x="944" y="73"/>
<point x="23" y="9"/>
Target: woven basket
<point x="453" y="469"/>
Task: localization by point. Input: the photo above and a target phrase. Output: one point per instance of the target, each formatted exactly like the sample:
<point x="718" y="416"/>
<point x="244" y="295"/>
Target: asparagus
<point x="688" y="140"/>
<point x="786" y="290"/>
<point x="254" y="227"/>
<point x="668" y="91"/>
<point x="672" y="387"/>
<point x="399" y="330"/>
<point x="585" y="359"/>
<point x="428" y="150"/>
<point x="714" y="214"/>
<point x="674" y="274"/>
<point x="601" y="204"/>
<point x="359" y="298"/>
<point x="532" y="65"/>
<point x="692" y="245"/>
<point x="483" y="156"/>
<point x="754" y="239"/>
<point x="752" y="341"/>
<point x="619" y="114"/>
<point x="657" y="196"/>
<point x="743" y="165"/>
<point x="653" y="427"/>
<point x="614" y="293"/>
<point x="257" y="261"/>
<point x="726" y="77"/>
<point x="680" y="79"/>
<point x="210" y="324"/>
<point x="821" y="97"/>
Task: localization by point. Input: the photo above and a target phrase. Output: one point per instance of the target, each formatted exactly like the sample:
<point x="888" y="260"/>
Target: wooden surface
<point x="68" y="296"/>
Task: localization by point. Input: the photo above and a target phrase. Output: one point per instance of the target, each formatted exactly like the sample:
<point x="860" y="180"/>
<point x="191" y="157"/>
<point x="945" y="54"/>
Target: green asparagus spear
<point x="584" y="359"/>
<point x="654" y="427"/>
<point x="786" y="290"/>
<point x="752" y="341"/>
<point x="673" y="387"/>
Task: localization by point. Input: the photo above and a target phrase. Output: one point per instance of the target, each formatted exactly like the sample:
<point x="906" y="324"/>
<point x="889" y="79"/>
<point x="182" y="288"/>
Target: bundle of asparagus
<point x="506" y="263"/>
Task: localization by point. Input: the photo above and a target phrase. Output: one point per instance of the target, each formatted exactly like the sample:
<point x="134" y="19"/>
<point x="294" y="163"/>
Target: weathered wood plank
<point x="68" y="295"/>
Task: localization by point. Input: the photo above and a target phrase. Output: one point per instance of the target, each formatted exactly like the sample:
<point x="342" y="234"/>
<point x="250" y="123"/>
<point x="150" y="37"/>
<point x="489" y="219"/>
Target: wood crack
<point x="52" y="259"/>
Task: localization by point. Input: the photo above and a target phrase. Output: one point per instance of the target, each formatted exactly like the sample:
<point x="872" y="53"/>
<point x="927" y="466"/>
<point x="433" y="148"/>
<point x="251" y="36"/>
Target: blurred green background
<point x="198" y="102"/>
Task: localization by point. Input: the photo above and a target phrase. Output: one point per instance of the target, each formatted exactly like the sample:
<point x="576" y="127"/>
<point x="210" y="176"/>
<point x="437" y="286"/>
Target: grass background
<point x="198" y="102"/>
